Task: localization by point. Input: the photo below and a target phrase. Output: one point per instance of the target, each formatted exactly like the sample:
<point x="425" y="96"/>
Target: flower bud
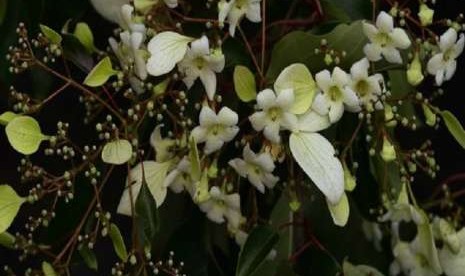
<point x="429" y="115"/>
<point x="426" y="15"/>
<point x="388" y="153"/>
<point x="349" y="180"/>
<point x="414" y="73"/>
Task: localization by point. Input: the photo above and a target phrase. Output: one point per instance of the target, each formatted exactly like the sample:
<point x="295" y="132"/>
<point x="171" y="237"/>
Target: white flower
<point x="275" y="113"/>
<point x="452" y="262"/>
<point x="129" y="53"/>
<point x="163" y="146"/>
<point x="336" y="93"/>
<point x="443" y="64"/>
<point x="179" y="179"/>
<point x="410" y="260"/>
<point x="258" y="168"/>
<point x="233" y="11"/>
<point x="215" y="129"/>
<point x="166" y="49"/>
<point x="201" y="62"/>
<point x="385" y="39"/>
<point x="221" y="206"/>
<point x="368" y="88"/>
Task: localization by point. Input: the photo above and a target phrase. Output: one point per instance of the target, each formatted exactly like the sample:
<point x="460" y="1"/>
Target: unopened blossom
<point x="274" y="114"/>
<point x="385" y="40"/>
<point x="221" y="206"/>
<point x="368" y="88"/>
<point x="258" y="168"/>
<point x="215" y="129"/>
<point x="202" y="62"/>
<point x="336" y="95"/>
<point x="234" y="10"/>
<point x="425" y="14"/>
<point x="128" y="22"/>
<point x="443" y="64"/>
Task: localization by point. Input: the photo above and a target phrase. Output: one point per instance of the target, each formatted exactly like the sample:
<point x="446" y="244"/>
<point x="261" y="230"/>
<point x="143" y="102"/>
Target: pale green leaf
<point x="117" y="152"/>
<point x="144" y="6"/>
<point x="244" y="83"/>
<point x="118" y="242"/>
<point x="6" y="117"/>
<point x="359" y="270"/>
<point x="10" y="203"/>
<point x="100" y="73"/>
<point x="340" y="211"/>
<point x="454" y="127"/>
<point x="48" y="270"/>
<point x="7" y="240"/>
<point x="24" y="134"/>
<point x="315" y="155"/>
<point x="427" y="244"/>
<point x="49" y="33"/>
<point x="194" y="160"/>
<point x="298" y="78"/>
<point x="84" y="34"/>
<point x="429" y="115"/>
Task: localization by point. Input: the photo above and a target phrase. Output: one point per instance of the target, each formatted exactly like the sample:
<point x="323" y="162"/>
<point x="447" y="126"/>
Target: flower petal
<point x="200" y="47"/>
<point x="266" y="99"/>
<point x="370" y="30"/>
<point x="392" y="55"/>
<point x="323" y="80"/>
<point x="384" y="22"/>
<point x="336" y="111"/>
<point x="253" y="12"/>
<point x="227" y="117"/>
<point x="311" y="121"/>
<point x="400" y="38"/>
<point x="359" y="70"/>
<point x="208" y="79"/>
<point x="448" y="39"/>
<point x="207" y="116"/>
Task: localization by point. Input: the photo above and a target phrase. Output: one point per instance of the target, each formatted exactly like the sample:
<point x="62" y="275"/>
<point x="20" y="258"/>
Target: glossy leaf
<point x="10" y="203"/>
<point x="256" y="248"/>
<point x="49" y="33"/>
<point x="24" y="134"/>
<point x="244" y="84"/>
<point x="100" y="73"/>
<point x="146" y="215"/>
<point x="118" y="242"/>
<point x="454" y="127"/>
<point x="117" y="152"/>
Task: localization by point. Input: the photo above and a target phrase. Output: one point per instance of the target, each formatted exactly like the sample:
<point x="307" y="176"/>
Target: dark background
<point x="55" y="13"/>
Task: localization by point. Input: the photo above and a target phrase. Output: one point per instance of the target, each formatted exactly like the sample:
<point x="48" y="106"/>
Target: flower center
<point x="363" y="88"/>
<point x="383" y="39"/>
<point x="448" y="54"/>
<point x="335" y="93"/>
<point x="199" y="62"/>
<point x="241" y="3"/>
<point x="274" y="113"/>
<point x="216" y="129"/>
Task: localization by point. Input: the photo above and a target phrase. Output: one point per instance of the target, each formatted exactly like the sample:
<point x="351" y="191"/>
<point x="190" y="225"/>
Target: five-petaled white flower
<point x="336" y="93"/>
<point x="367" y="87"/>
<point x="275" y="113"/>
<point x="201" y="62"/>
<point x="221" y="206"/>
<point x="234" y="10"/>
<point x="258" y="168"/>
<point x="385" y="39"/>
<point x="443" y="64"/>
<point x="215" y="129"/>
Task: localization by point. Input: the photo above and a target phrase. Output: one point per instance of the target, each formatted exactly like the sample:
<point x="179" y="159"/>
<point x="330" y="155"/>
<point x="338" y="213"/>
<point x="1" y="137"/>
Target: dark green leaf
<point x="146" y="215"/>
<point x="454" y="127"/>
<point x="354" y="9"/>
<point x="3" y="6"/>
<point x="400" y="88"/>
<point x="257" y="247"/>
<point x="89" y="257"/>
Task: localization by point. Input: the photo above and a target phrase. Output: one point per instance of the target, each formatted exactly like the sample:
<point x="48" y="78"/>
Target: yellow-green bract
<point x="100" y="74"/>
<point x="49" y="33"/>
<point x="10" y="203"/>
<point x="117" y="152"/>
<point x="24" y="134"/>
<point x="244" y="84"/>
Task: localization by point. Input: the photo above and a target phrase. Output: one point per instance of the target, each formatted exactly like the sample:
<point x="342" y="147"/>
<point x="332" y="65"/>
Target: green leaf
<point x="118" y="242"/>
<point x="48" y="270"/>
<point x="7" y="240"/>
<point x="257" y="247"/>
<point x="194" y="160"/>
<point x="6" y="117"/>
<point x="100" y="73"/>
<point x="340" y="211"/>
<point x="89" y="257"/>
<point x="117" y="152"/>
<point x="10" y="203"/>
<point x="299" y="47"/>
<point x="300" y="80"/>
<point x="49" y="33"/>
<point x="84" y="34"/>
<point x="24" y="134"/>
<point x="454" y="127"/>
<point x="354" y="9"/>
<point x="146" y="215"/>
<point x="244" y="83"/>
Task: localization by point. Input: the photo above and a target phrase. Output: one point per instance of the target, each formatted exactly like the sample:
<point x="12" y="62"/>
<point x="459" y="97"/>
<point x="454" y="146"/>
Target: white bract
<point x="221" y="206"/>
<point x="201" y="62"/>
<point x="215" y="129"/>
<point x="368" y="88"/>
<point x="234" y="10"/>
<point x="258" y="168"/>
<point x="274" y="114"/>
<point x="385" y="39"/>
<point x="336" y="95"/>
<point x="443" y="64"/>
<point x="155" y="174"/>
<point x="179" y="179"/>
<point x="163" y="146"/>
<point x="166" y="49"/>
